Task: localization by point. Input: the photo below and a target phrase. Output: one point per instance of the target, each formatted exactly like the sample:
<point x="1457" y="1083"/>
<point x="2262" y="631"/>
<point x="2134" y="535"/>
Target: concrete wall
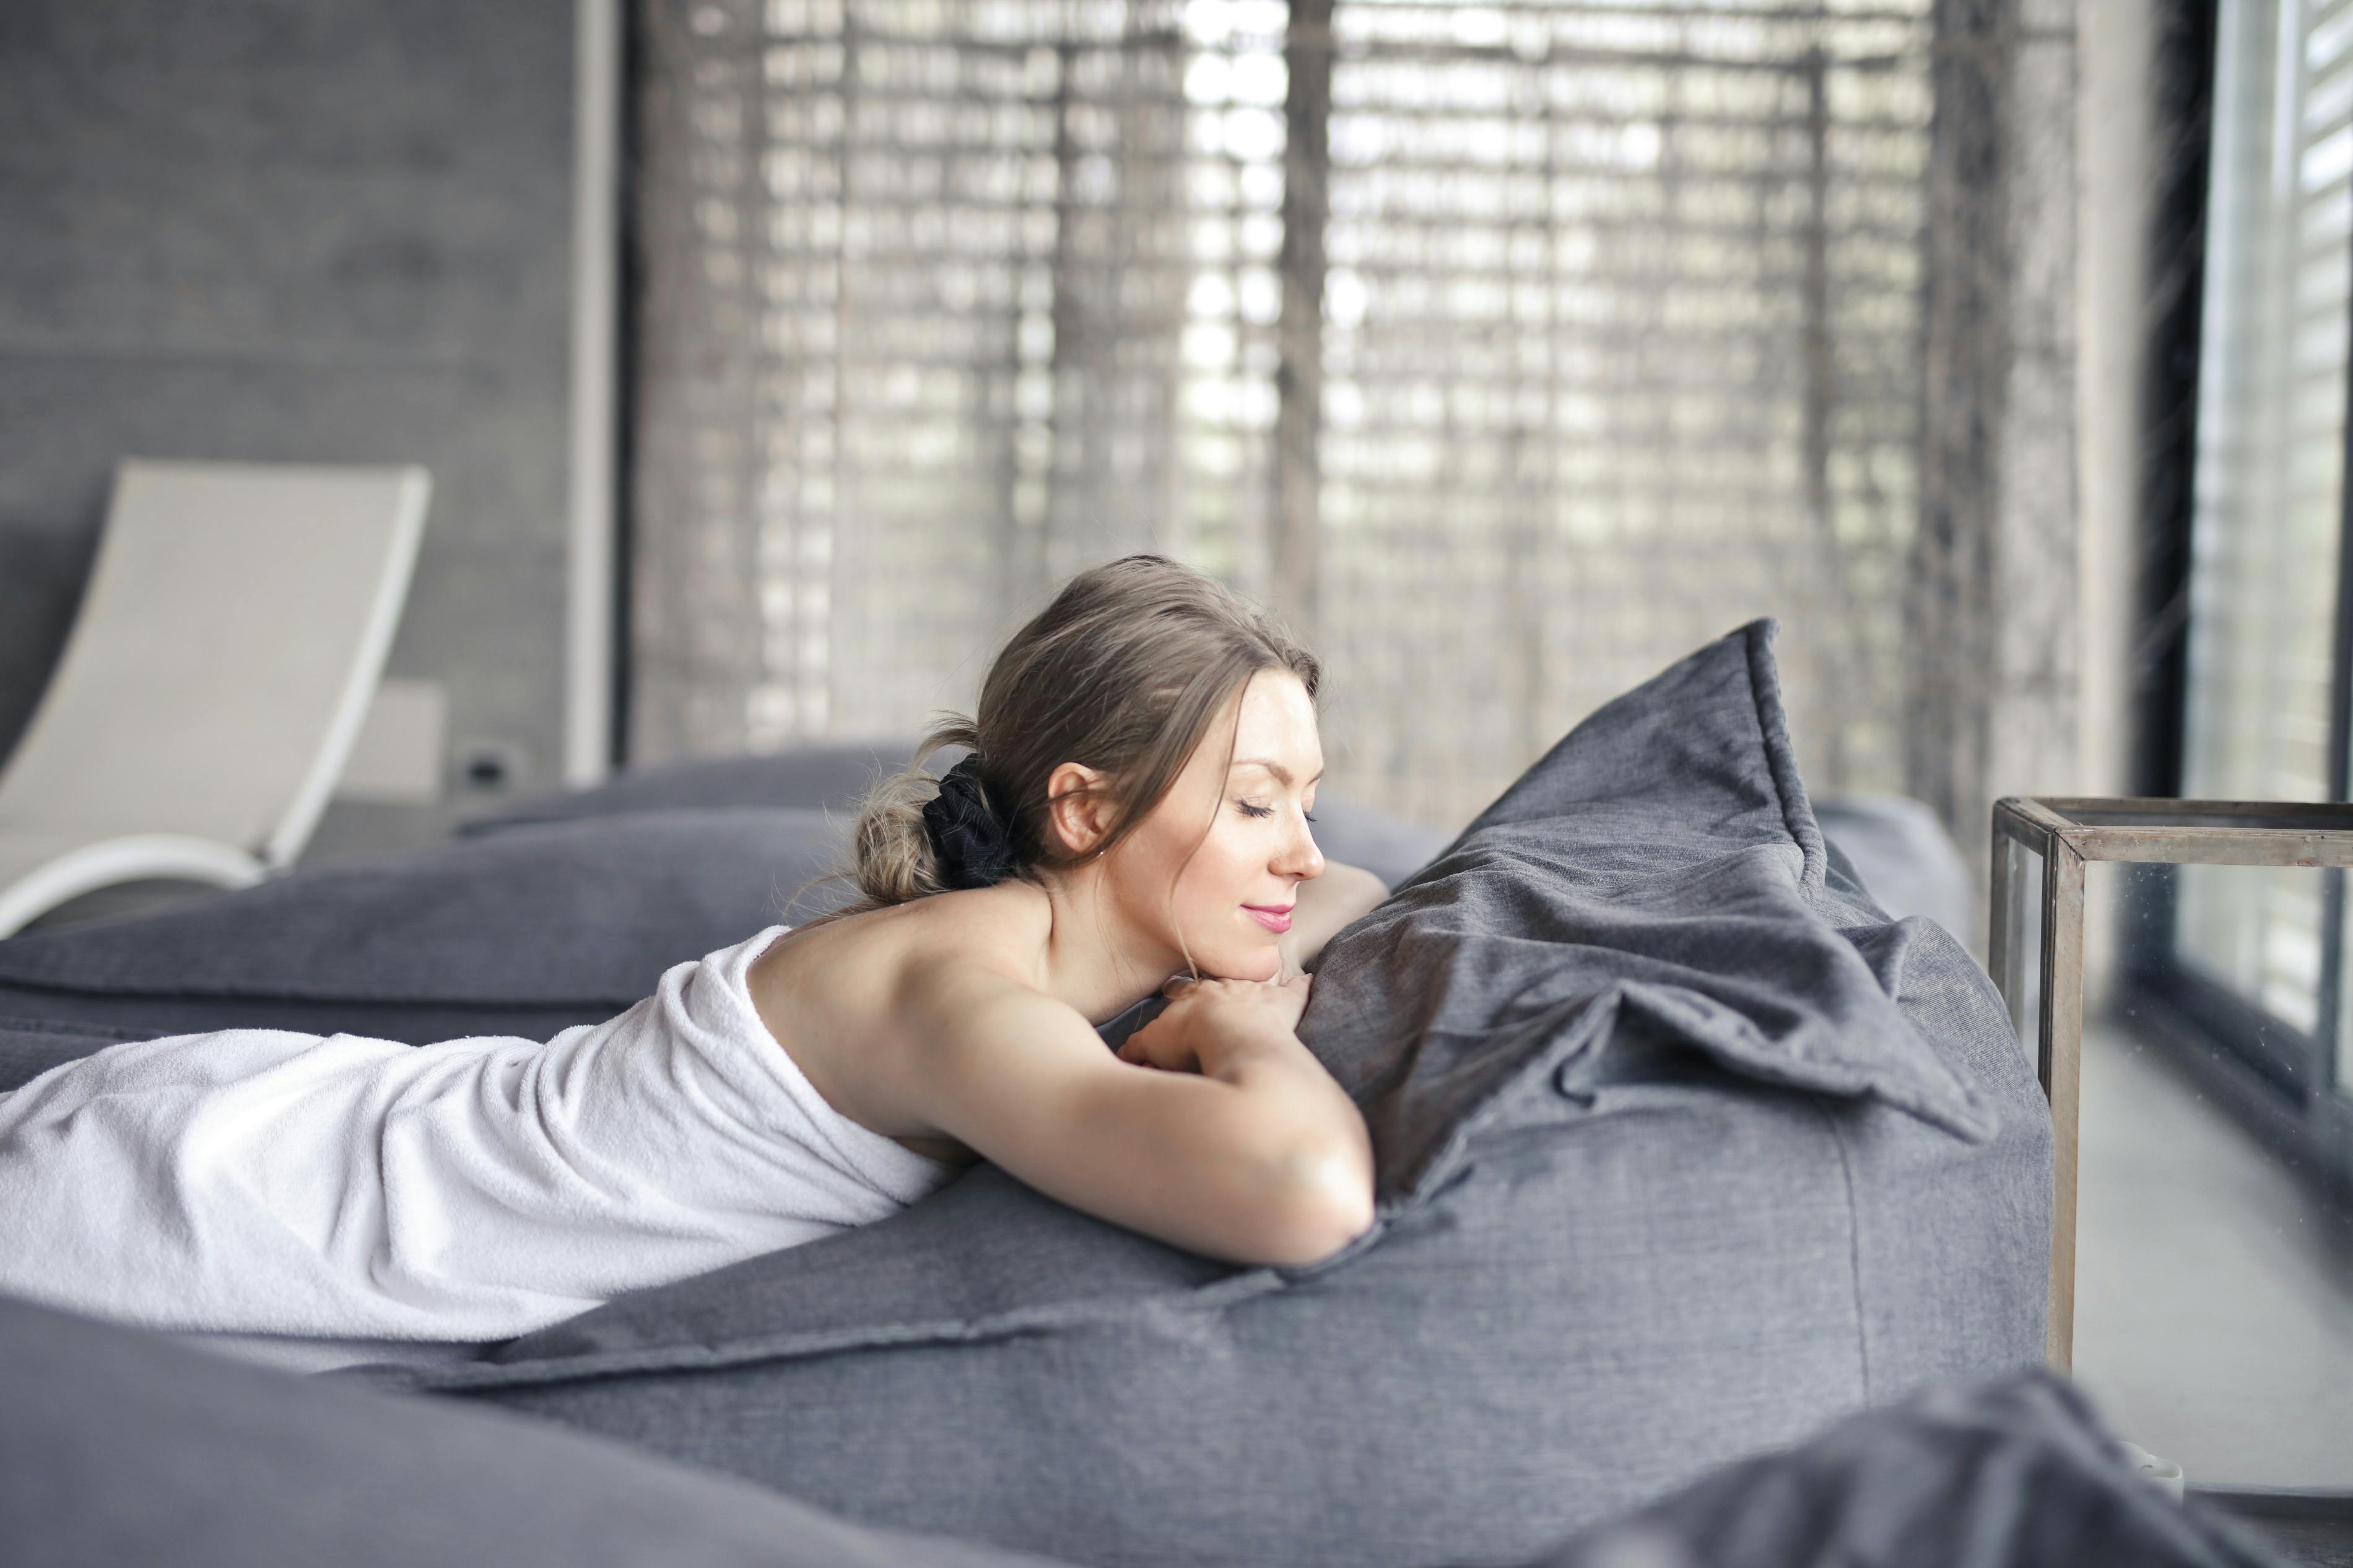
<point x="2113" y="128"/>
<point x="2113" y="131"/>
<point x="315" y="230"/>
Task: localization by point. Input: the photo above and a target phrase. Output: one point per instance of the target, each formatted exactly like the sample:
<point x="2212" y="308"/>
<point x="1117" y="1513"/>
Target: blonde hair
<point x="1125" y="673"/>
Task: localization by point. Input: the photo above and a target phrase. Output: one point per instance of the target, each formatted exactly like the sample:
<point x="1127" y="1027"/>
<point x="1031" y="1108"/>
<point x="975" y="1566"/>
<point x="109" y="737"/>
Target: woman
<point x="1133" y="815"/>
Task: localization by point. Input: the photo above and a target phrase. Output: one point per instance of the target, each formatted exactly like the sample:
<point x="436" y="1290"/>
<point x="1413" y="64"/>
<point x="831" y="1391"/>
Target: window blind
<point x="2268" y="507"/>
<point x="1511" y="350"/>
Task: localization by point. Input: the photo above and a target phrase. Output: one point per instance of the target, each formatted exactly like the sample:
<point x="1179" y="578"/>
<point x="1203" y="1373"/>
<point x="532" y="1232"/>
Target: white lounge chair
<point x="223" y="658"/>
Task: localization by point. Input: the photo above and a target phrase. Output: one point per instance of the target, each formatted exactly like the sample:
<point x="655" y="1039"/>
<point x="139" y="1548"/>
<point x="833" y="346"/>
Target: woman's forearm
<point x="1215" y="1128"/>
<point x="1305" y="1138"/>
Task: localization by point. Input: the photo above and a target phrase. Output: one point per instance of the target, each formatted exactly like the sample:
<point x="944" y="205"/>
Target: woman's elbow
<point x="1325" y="1203"/>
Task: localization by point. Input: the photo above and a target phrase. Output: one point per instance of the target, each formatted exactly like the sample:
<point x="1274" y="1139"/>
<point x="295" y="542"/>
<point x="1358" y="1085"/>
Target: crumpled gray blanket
<point x="2015" y="1474"/>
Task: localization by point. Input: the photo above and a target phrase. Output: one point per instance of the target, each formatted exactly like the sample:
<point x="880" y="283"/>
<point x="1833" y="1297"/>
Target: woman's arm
<point x="1246" y="1151"/>
<point x="1325" y="904"/>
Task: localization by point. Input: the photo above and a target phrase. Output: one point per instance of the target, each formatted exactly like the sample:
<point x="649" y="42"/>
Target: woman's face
<point x="1233" y="893"/>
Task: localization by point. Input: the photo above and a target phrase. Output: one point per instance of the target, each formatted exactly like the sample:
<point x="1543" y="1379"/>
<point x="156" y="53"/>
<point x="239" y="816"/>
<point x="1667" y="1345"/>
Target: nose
<point x="1299" y="857"/>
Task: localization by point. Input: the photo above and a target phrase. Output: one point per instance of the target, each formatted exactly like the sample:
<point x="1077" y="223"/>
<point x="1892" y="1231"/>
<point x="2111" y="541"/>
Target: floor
<point x="2214" y="1307"/>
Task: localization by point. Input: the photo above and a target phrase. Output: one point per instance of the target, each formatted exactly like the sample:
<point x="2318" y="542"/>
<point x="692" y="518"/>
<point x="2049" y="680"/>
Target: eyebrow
<point x="1281" y="773"/>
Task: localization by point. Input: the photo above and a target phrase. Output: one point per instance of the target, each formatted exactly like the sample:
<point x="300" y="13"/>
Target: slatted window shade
<point x="2270" y="476"/>
<point x="1511" y="349"/>
<point x="1620" y="348"/>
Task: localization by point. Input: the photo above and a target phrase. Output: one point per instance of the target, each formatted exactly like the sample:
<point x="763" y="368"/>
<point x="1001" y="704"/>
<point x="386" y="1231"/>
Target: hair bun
<point x="972" y="839"/>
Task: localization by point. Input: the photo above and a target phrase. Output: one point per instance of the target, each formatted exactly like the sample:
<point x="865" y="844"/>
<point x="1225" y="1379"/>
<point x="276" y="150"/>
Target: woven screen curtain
<point x="1508" y="350"/>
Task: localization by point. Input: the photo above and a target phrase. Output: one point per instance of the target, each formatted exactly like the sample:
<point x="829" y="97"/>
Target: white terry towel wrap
<point x="256" y="1182"/>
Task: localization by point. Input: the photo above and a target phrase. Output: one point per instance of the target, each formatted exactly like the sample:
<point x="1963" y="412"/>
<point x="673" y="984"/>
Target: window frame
<point x="2279" y="1081"/>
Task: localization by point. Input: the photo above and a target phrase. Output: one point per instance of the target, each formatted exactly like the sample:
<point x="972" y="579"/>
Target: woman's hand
<point x="1207" y="1021"/>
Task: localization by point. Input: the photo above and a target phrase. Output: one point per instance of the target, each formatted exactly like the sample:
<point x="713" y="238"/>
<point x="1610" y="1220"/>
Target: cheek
<point x="1154" y="860"/>
<point x="1222" y="873"/>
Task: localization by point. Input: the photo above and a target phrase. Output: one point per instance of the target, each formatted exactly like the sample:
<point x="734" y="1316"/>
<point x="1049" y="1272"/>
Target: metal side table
<point x="2048" y="984"/>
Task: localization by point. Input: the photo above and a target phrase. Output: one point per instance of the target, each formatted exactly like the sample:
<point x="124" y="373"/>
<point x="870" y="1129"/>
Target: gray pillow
<point x="1899" y="851"/>
<point x="827" y="777"/>
<point x="522" y="934"/>
<point x="1684" y="1150"/>
<point x="834" y="777"/>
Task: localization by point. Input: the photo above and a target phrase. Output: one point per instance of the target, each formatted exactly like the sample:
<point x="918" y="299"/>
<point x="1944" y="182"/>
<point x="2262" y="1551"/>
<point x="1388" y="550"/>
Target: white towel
<point x="260" y="1182"/>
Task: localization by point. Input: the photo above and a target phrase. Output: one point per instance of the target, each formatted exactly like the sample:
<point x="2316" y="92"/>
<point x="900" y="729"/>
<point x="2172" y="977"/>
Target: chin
<point x="1259" y="963"/>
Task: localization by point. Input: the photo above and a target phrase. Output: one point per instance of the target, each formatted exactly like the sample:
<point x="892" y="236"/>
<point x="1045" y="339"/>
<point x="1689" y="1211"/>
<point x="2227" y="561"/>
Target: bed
<point x="1687" y="1148"/>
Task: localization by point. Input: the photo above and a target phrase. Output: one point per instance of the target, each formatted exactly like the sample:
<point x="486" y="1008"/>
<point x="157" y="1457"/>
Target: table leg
<point x="2059" y="1058"/>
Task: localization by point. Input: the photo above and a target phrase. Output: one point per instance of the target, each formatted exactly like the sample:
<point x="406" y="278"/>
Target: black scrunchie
<point x="972" y="839"/>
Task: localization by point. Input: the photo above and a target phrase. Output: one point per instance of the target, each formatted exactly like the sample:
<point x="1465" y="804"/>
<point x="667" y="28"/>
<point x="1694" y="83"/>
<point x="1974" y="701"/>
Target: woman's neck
<point x="1094" y="959"/>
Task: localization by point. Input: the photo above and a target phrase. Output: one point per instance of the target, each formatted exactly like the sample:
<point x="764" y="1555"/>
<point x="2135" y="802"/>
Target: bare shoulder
<point x="974" y="987"/>
<point x="870" y="995"/>
<point x="959" y="946"/>
<point x="863" y="1004"/>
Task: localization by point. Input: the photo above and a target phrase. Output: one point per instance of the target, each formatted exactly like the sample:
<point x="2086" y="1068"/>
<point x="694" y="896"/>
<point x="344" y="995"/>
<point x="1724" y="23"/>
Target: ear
<point x="1077" y="820"/>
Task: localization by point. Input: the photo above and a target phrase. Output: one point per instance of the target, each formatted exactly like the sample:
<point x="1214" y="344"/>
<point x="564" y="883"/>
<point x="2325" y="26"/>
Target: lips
<point x="1274" y="917"/>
